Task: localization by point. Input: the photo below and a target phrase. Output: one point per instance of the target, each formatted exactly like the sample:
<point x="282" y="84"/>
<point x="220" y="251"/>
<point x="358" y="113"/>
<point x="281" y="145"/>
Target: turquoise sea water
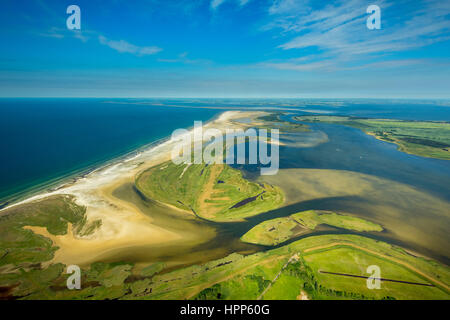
<point x="45" y="139"/>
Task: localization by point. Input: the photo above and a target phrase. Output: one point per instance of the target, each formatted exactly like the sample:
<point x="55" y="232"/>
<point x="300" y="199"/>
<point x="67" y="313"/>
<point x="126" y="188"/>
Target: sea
<point x="47" y="141"/>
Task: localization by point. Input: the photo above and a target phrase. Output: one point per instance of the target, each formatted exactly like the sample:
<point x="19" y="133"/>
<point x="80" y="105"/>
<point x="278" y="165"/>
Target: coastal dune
<point x="124" y="225"/>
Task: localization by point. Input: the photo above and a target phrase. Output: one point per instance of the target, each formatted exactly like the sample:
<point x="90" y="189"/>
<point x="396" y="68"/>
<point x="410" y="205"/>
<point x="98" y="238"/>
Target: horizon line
<point x="248" y="98"/>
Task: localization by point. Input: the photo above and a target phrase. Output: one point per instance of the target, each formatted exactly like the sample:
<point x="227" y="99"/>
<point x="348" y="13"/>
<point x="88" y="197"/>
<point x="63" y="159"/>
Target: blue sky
<point x="225" y="48"/>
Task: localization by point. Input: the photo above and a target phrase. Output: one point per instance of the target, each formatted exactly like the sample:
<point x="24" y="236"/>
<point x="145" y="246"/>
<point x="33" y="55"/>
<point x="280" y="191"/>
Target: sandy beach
<point x="124" y="225"/>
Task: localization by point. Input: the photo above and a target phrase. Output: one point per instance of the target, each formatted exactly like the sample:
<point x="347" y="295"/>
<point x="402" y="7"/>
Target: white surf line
<point x="113" y="170"/>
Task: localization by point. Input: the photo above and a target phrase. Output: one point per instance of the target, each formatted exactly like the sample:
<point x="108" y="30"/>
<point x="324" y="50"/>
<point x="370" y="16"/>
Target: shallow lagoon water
<point x="407" y="194"/>
<point x="334" y="168"/>
<point x="351" y="149"/>
<point x="371" y="180"/>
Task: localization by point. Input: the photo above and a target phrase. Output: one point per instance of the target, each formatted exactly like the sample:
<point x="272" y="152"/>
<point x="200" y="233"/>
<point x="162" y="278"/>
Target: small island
<point x="276" y="231"/>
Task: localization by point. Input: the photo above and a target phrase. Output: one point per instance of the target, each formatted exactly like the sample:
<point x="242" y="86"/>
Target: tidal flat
<point x="410" y="217"/>
<point x="146" y="239"/>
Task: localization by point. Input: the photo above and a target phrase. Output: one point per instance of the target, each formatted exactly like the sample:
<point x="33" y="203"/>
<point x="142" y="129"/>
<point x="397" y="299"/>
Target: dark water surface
<point x="351" y="149"/>
<point x="44" y="139"/>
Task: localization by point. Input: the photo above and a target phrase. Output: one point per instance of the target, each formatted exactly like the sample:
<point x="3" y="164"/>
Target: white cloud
<point x="80" y="35"/>
<point x="300" y="66"/>
<point x="338" y="30"/>
<point x="123" y="46"/>
<point x="183" y="58"/>
<point x="333" y="65"/>
<point x="243" y="2"/>
<point x="217" y="3"/>
<point x="288" y="6"/>
<point x="60" y="33"/>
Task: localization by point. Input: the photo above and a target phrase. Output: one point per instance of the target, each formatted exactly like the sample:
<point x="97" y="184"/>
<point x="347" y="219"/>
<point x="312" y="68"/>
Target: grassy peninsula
<point x="273" y="121"/>
<point x="214" y="192"/>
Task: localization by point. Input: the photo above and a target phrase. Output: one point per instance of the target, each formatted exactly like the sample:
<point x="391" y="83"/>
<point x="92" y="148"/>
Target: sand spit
<point x="123" y="224"/>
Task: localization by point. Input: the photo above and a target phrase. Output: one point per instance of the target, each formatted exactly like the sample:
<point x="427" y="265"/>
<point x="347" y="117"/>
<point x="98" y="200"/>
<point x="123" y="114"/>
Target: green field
<point x="287" y="272"/>
<point x="214" y="192"/>
<point x="276" y="231"/>
<point x="55" y="213"/>
<point x="293" y="271"/>
<point x="22" y="252"/>
<point x="422" y="138"/>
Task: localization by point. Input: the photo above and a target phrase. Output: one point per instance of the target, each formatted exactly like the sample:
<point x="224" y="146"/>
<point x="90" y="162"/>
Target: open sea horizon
<point x="45" y="141"/>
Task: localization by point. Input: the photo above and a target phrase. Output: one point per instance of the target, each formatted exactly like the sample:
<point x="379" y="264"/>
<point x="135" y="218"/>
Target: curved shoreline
<point x="124" y="225"/>
<point x="55" y="185"/>
<point x="122" y="218"/>
<point x="69" y="178"/>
